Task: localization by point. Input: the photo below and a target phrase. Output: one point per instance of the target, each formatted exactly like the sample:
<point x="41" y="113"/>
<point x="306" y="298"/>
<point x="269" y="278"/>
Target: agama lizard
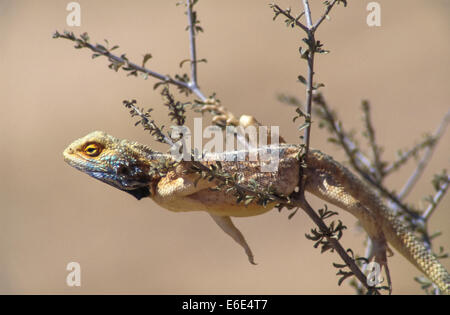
<point x="128" y="166"/>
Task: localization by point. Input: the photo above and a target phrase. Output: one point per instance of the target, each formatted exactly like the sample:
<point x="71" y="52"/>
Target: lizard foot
<point x="221" y="116"/>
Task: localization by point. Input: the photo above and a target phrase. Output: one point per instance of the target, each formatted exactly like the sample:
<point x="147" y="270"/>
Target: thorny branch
<point x="309" y="83"/>
<point x="122" y="61"/>
<point x="315" y="47"/>
<point x="349" y="261"/>
<point x="309" y="53"/>
<point x="192" y="49"/>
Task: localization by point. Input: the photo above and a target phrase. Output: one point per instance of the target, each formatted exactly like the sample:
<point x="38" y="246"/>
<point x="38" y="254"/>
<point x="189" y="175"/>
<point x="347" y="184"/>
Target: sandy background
<point x="52" y="94"/>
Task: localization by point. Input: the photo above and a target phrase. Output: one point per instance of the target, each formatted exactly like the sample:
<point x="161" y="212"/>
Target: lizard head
<point x="119" y="163"/>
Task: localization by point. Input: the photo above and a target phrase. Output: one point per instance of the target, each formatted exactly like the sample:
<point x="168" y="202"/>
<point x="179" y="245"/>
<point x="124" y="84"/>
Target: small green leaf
<point x="85" y="37"/>
<point x="318" y="85"/>
<point x="183" y="61"/>
<point x="291" y="215"/>
<point x="146" y="58"/>
<point x="304" y="53"/>
<point x="333" y="140"/>
<point x="302" y="79"/>
<point x="101" y="47"/>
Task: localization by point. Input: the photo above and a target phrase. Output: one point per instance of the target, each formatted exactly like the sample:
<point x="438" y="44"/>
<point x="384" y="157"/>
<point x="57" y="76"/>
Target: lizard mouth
<point x="139" y="193"/>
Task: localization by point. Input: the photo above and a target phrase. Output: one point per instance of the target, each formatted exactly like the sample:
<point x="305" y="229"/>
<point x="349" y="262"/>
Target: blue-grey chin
<point x="137" y="190"/>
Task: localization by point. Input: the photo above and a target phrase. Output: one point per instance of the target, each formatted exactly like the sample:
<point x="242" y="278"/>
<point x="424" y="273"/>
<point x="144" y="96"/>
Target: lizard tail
<point x="415" y="251"/>
<point x="332" y="182"/>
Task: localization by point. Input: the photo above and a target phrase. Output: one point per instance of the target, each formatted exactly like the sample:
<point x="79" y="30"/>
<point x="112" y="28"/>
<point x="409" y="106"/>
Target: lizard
<point x="130" y="167"/>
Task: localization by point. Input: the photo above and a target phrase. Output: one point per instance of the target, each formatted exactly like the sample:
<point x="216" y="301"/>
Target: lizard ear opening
<point x="140" y="192"/>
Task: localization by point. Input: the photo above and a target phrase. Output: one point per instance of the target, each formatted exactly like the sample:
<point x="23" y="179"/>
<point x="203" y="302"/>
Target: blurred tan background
<point x="52" y="94"/>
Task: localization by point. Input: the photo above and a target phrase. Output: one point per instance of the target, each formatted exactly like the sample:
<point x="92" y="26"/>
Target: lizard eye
<point x="92" y="149"/>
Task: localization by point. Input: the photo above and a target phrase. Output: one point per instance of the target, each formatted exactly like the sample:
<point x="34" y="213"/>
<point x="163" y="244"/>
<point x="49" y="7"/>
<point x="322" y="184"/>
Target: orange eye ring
<point x="92" y="149"/>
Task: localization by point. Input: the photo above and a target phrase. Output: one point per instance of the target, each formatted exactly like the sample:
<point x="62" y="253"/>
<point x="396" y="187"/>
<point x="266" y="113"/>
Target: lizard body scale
<point x="128" y="166"/>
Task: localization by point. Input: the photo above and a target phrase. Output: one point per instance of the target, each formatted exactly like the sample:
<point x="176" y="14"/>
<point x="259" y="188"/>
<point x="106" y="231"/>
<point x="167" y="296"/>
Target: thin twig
<point x="124" y="61"/>
<point x="309" y="82"/>
<point x="377" y="163"/>
<point x="290" y="17"/>
<point x="356" y="157"/>
<point x="193" y="82"/>
<point x="404" y="157"/>
<point x="425" y="159"/>
<point x="308" y="15"/>
<point x="147" y="123"/>
<point x="327" y="10"/>
<point x="436" y="199"/>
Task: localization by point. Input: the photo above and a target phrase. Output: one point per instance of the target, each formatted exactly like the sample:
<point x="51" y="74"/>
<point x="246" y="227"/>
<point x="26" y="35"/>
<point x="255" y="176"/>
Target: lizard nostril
<point x="68" y="151"/>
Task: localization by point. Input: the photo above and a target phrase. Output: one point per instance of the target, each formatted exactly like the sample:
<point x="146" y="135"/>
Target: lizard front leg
<point x="173" y="193"/>
<point x="225" y="223"/>
<point x="223" y="117"/>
